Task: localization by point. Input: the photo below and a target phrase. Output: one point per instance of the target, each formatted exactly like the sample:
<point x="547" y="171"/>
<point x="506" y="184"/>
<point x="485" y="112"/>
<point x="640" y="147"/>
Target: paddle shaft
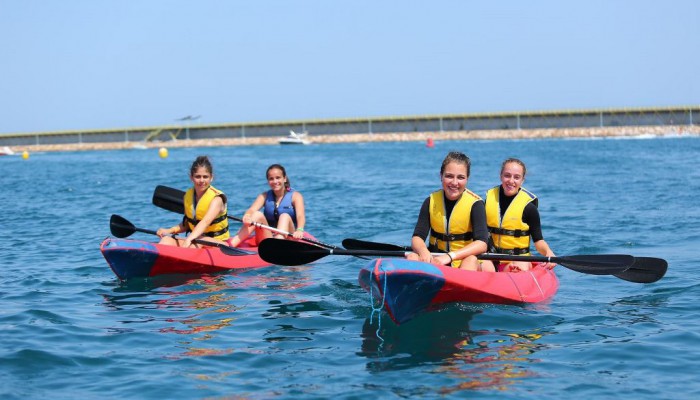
<point x="509" y="257"/>
<point x="121" y="228"/>
<point x="643" y="270"/>
<point x="137" y="229"/>
<point x="360" y="244"/>
<point x="287" y="252"/>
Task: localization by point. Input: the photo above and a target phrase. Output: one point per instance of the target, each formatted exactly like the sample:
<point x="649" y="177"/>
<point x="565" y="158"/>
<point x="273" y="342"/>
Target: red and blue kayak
<point x="408" y="288"/>
<point x="139" y="259"/>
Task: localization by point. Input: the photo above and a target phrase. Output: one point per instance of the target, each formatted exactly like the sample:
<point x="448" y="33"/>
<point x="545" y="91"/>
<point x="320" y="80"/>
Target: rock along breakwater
<point x="506" y="134"/>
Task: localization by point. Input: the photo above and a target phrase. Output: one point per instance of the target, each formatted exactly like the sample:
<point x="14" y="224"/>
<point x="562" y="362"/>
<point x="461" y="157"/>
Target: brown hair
<point x="201" y="161"/>
<point x="458" y="157"/>
<point x="514" y="160"/>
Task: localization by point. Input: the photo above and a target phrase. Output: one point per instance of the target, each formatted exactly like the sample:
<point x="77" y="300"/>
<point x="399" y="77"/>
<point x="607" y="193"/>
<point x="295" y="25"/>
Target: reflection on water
<point x="197" y="307"/>
<point x="296" y="310"/>
<point x="494" y="361"/>
<point x="476" y="359"/>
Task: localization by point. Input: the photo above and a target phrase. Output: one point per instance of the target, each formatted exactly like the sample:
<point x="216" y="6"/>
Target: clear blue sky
<point x="92" y="64"/>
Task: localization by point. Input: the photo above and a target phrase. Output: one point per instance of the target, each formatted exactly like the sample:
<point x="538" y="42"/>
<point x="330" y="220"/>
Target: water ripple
<point x="71" y="330"/>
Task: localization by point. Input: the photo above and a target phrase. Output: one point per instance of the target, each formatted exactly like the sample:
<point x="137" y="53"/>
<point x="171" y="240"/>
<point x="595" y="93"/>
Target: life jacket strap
<point x="216" y="220"/>
<point x="217" y="233"/>
<point x="452" y="237"/>
<point x="508" y="232"/>
<point x="512" y="252"/>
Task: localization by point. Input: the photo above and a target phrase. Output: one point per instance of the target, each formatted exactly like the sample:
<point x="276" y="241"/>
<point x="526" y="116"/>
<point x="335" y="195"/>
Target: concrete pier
<point x="672" y="121"/>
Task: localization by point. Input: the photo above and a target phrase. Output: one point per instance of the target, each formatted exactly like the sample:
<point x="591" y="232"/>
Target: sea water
<point x="70" y="329"/>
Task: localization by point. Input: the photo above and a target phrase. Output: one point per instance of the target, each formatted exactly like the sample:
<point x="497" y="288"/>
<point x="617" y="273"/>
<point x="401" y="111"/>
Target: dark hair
<point x="287" y="185"/>
<point x="201" y="161"/>
<point x="514" y="160"/>
<point x="458" y="157"/>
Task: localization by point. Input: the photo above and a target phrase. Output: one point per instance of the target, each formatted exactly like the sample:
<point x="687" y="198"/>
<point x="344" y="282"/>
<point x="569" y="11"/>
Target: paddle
<point x="121" y="228"/>
<point x="291" y="252"/>
<point x="296" y="253"/>
<point x="356" y="244"/>
<point x="594" y="264"/>
<point x="171" y="199"/>
<point x="643" y="270"/>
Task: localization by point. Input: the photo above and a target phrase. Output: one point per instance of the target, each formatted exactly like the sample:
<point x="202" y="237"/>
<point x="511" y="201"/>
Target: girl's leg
<point x="168" y="240"/>
<point x="470" y="263"/>
<point x="487" y="265"/>
<point x="246" y="230"/>
<point x="286" y="224"/>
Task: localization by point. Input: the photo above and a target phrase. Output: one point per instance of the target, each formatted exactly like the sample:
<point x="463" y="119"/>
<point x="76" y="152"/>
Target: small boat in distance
<point x="295" y="138"/>
<point x="6" y="151"/>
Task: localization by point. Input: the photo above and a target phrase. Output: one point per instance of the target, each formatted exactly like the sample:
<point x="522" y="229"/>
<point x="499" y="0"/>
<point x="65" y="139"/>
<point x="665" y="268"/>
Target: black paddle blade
<point x="290" y="252"/>
<point x="645" y="270"/>
<point x="121" y="227"/>
<point x="356" y="244"/>
<point x="169" y="199"/>
<point x="596" y="264"/>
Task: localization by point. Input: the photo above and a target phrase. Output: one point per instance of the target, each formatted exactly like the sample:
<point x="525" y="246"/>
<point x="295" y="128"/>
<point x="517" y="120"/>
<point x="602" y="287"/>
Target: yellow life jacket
<point x="511" y="234"/>
<point x="456" y="233"/>
<point x="218" y="229"/>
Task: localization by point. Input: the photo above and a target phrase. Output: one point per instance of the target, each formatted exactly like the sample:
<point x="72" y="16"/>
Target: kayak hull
<point x="406" y="288"/>
<point x="139" y="259"/>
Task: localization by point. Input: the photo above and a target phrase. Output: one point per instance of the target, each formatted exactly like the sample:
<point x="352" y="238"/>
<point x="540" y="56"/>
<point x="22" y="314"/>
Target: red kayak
<point x="139" y="259"/>
<point x="408" y="288"/>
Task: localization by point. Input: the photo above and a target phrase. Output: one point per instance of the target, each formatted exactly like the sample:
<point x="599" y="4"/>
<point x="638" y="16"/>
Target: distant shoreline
<point x="509" y="134"/>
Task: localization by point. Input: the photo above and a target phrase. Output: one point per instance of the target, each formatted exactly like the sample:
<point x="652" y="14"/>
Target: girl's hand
<point x="442" y="259"/>
<point x="426" y="257"/>
<point x="550" y="265"/>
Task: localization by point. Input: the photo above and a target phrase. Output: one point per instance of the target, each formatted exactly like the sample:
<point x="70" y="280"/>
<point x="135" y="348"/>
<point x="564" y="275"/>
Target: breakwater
<point x="660" y="121"/>
<point x="490" y="134"/>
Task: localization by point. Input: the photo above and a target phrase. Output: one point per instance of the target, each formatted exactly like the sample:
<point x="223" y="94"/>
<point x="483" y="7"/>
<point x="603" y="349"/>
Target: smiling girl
<point x="282" y="208"/>
<point x="205" y="210"/>
<point x="452" y="219"/>
<point x="513" y="218"/>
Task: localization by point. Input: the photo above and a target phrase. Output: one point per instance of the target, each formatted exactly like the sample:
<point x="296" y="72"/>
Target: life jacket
<point x="285" y="207"/>
<point x="196" y="210"/>
<point x="456" y="233"/>
<point x="511" y="234"/>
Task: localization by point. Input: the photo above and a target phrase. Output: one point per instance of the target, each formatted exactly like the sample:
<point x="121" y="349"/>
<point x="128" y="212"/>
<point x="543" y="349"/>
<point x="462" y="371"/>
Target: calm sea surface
<point x="70" y="329"/>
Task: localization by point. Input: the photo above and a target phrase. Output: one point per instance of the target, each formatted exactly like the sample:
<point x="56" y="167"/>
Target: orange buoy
<point x="430" y="143"/>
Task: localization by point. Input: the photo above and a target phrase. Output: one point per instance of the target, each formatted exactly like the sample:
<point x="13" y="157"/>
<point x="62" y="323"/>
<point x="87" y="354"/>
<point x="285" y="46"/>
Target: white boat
<point x="6" y="151"/>
<point x="295" y="138"/>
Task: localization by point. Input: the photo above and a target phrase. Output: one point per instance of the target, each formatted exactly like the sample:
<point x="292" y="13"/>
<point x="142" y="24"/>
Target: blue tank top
<point x="285" y="207"/>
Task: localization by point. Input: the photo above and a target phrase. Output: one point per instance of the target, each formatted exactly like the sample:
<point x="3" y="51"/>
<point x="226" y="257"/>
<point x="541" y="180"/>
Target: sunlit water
<point x="70" y="329"/>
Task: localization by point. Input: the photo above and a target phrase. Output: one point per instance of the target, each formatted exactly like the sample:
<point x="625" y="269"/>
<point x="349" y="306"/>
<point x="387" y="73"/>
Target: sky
<point x="108" y="64"/>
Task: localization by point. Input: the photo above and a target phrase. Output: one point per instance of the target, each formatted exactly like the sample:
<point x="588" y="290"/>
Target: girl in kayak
<point x="453" y="220"/>
<point x="282" y="208"/>
<point x="205" y="210"/>
<point x="513" y="219"/>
